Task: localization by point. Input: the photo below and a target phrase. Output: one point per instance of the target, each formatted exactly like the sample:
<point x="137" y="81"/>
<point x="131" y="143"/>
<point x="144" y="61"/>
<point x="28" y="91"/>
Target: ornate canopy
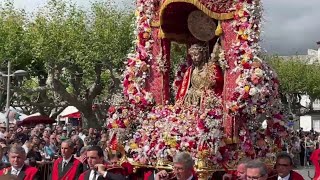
<point x="173" y="15"/>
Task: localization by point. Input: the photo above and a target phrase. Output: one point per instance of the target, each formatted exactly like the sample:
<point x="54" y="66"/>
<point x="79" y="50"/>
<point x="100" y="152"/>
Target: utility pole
<point x="8" y="96"/>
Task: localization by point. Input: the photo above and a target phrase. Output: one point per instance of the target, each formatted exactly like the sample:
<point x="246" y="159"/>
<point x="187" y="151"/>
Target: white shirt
<point x="66" y="160"/>
<point x="285" y="178"/>
<point x="15" y="171"/>
<point x="92" y="174"/>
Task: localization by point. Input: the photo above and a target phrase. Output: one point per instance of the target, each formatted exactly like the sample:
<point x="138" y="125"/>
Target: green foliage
<point x="178" y="55"/>
<point x="297" y="76"/>
<point x="75" y="52"/>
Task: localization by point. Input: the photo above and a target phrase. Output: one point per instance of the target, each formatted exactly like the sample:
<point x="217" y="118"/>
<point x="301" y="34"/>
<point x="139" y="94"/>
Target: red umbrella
<point x="33" y="120"/>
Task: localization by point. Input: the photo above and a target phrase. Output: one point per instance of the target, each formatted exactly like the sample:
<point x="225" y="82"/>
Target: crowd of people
<point x="75" y="153"/>
<point x="302" y="145"/>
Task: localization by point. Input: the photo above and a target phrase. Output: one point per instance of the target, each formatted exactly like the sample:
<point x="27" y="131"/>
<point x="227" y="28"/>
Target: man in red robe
<point x="67" y="167"/>
<point x="315" y="159"/>
<point x="17" y="157"/>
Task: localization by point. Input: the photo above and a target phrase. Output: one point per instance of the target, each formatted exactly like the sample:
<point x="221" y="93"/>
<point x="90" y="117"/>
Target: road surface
<point x="304" y="172"/>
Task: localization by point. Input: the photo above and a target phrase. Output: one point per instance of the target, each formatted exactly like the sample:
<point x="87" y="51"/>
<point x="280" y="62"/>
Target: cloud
<point x="290" y="26"/>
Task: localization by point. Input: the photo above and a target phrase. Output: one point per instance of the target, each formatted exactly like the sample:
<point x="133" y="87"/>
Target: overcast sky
<point x="290" y="26"/>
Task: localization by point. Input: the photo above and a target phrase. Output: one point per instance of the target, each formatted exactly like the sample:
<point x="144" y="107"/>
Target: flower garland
<point x="137" y="66"/>
<point x="257" y="83"/>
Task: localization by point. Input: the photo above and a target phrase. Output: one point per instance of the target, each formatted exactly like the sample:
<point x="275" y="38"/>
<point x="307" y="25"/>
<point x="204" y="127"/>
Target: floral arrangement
<point x="257" y="85"/>
<point x="137" y="66"/>
<point x="119" y="117"/>
<point x="169" y="129"/>
<point x="162" y="131"/>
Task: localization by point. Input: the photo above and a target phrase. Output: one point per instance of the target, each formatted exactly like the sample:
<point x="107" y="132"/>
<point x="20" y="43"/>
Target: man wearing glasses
<point x="284" y="165"/>
<point x="256" y="170"/>
<point x="183" y="165"/>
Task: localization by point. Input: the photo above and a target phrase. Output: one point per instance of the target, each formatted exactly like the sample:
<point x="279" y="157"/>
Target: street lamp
<point x="16" y="73"/>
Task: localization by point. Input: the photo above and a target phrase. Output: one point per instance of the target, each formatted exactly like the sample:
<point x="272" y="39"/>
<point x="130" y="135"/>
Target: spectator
<point x="34" y="156"/>
<point x="2" y="164"/>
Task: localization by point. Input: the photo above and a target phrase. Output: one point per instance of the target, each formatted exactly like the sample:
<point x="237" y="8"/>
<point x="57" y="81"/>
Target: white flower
<point x="115" y="116"/>
<point x="258" y="72"/>
<point x="253" y="91"/>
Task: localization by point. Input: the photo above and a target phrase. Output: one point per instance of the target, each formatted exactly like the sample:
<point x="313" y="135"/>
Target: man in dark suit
<point x="66" y="167"/>
<point x="97" y="171"/>
<point x="182" y="169"/>
<point x="284" y="166"/>
<point x="17" y="157"/>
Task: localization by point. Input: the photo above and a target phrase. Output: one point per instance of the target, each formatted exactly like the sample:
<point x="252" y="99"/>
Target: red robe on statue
<point x="216" y="76"/>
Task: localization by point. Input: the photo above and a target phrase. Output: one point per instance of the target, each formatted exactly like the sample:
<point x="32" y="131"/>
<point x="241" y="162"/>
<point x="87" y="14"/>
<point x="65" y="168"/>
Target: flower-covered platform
<point x="224" y="124"/>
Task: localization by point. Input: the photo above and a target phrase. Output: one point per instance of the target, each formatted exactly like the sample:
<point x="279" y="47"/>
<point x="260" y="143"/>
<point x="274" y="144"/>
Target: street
<point x="304" y="172"/>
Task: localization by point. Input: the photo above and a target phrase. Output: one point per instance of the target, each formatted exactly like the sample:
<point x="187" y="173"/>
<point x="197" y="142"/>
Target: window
<point x="316" y="125"/>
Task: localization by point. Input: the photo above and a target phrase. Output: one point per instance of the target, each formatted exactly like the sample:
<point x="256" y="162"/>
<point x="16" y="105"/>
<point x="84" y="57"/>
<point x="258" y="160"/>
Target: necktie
<point x="94" y="175"/>
<point x="64" y="165"/>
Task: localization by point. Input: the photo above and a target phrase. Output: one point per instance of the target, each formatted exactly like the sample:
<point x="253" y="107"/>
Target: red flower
<point x="201" y="124"/>
<point x="109" y="126"/>
<point x="246" y="65"/>
<point x="111" y="109"/>
<point x="212" y="113"/>
<point x="245" y="96"/>
<point x="191" y="144"/>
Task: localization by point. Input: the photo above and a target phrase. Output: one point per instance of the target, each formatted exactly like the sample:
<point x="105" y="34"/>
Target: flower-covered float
<point x="223" y="89"/>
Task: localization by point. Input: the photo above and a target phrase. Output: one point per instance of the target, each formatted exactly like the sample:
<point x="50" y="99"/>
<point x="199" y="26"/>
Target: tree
<point x="297" y="77"/>
<point x="74" y="56"/>
<point x="13" y="46"/>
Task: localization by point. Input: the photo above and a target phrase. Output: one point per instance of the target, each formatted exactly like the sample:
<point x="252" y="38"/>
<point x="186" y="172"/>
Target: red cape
<point x="314" y="159"/>
<point x="29" y="173"/>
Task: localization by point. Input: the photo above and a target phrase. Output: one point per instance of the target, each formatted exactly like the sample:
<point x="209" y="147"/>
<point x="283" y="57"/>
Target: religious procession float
<point x="223" y="90"/>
